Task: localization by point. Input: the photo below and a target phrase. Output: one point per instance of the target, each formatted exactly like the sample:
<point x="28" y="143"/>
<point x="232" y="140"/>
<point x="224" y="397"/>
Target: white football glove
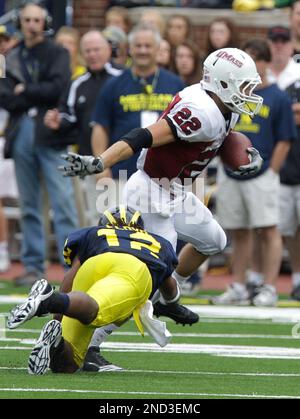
<point x="254" y="166"/>
<point x="81" y="165"/>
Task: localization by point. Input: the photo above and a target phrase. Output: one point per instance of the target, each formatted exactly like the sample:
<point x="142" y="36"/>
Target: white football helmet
<point x="231" y="74"/>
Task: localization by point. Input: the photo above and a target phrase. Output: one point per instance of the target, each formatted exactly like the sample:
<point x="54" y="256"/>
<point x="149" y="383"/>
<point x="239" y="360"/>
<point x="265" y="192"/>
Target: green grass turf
<point x="161" y="375"/>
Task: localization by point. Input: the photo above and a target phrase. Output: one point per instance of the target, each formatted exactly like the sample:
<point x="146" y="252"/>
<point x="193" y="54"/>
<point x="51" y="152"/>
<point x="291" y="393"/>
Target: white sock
<point x="173" y="300"/>
<point x="180" y="279"/>
<point x="155" y="297"/>
<point x="296" y="279"/>
<point x="101" y="334"/>
<point x="255" y="278"/>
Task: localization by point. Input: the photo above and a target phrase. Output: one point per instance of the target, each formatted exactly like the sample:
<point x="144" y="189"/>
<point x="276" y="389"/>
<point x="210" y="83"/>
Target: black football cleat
<point x="180" y="314"/>
<point x="94" y="362"/>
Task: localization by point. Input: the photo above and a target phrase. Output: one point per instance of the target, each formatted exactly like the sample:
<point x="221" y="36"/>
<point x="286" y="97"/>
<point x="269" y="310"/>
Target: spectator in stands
<point x="222" y="33"/>
<point x="76" y="106"/>
<point x="163" y="58"/>
<point x="8" y="189"/>
<point x="179" y="29"/>
<point x="295" y="26"/>
<point x="117" y="40"/>
<point x="7" y="176"/>
<point x="249" y="206"/>
<point x="154" y="18"/>
<point x="69" y="38"/>
<point x="286" y="73"/>
<point x="134" y="99"/>
<point x="290" y="196"/>
<point x="186" y="63"/>
<point x="283" y="70"/>
<point x="118" y="16"/>
<point x="8" y="39"/>
<point x="36" y="73"/>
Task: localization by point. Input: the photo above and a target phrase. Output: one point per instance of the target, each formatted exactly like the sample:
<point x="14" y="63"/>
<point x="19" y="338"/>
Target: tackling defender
<point x="117" y="266"/>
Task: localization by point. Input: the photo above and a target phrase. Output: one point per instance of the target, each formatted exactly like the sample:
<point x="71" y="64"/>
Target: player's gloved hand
<point x="254" y="166"/>
<point x="81" y="165"/>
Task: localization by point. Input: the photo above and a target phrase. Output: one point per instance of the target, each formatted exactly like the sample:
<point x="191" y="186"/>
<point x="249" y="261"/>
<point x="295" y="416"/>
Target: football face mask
<point x="244" y="100"/>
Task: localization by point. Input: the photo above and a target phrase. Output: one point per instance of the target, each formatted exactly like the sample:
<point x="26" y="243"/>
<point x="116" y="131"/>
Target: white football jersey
<point x="200" y="129"/>
<point x="196" y="117"/>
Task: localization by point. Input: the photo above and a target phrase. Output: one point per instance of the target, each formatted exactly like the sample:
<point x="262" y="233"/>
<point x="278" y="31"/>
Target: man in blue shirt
<point x="290" y="196"/>
<point x="134" y="99"/>
<point x="249" y="206"/>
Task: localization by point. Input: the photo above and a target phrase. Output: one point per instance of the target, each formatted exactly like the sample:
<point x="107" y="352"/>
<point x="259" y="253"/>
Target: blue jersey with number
<point x="156" y="252"/>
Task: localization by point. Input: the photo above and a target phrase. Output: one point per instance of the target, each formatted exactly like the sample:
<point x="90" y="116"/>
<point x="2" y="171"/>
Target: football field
<point x="233" y="352"/>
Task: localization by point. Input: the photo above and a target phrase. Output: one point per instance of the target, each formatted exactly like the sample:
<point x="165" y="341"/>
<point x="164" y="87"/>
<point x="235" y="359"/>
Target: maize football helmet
<point x="122" y="216"/>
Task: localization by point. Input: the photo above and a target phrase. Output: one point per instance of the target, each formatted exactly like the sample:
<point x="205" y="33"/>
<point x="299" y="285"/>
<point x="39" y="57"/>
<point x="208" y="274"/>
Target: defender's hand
<point x="81" y="165"/>
<point x="254" y="166"/>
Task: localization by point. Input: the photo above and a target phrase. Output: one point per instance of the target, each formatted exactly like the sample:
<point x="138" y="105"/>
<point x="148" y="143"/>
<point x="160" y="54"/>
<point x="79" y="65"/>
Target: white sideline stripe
<point x="155" y="393"/>
<point x="241" y="351"/>
<point x="246" y="374"/>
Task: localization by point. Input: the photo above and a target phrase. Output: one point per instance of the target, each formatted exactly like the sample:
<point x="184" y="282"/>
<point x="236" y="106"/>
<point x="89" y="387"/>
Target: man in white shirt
<point x="283" y="69"/>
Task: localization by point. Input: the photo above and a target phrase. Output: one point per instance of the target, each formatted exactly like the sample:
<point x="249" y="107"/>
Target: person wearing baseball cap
<point x="295" y="25"/>
<point x="283" y="68"/>
<point x="279" y="33"/>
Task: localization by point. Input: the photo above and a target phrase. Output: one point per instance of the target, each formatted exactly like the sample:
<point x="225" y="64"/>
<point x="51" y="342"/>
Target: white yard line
<point x="258" y="313"/>
<point x="12" y="299"/>
<point x="214" y="373"/>
<point x="241" y="351"/>
<point x="146" y="393"/>
<point x="37" y="331"/>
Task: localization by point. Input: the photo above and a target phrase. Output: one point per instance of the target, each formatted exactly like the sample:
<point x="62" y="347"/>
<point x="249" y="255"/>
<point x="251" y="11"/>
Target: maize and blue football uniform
<point x="120" y="268"/>
<point x="155" y="251"/>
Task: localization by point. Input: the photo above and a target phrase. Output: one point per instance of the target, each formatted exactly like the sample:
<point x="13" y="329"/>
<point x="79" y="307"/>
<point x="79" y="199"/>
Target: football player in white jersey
<point x="176" y="149"/>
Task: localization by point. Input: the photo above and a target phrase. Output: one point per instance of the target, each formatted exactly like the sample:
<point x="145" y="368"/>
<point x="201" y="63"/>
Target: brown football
<point x="233" y="151"/>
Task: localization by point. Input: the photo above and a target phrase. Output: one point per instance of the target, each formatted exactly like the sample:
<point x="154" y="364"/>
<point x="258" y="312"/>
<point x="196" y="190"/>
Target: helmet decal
<point x="225" y="56"/>
<point x="122" y="216"/>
